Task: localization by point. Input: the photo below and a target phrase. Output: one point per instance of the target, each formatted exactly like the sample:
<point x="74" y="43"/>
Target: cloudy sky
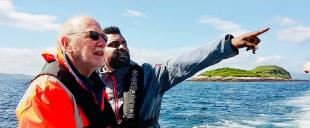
<point x="157" y="30"/>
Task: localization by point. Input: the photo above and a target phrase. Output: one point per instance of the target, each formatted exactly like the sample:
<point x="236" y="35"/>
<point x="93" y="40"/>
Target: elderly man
<point x="135" y="92"/>
<point x="68" y="93"/>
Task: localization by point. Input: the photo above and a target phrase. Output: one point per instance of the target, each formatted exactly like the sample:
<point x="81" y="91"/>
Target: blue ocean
<point x="207" y="104"/>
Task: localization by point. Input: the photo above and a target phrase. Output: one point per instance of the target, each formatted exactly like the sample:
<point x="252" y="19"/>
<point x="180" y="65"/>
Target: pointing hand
<point x="248" y="40"/>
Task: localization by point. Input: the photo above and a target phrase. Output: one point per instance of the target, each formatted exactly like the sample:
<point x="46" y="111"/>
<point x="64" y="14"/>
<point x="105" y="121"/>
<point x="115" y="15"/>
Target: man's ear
<point x="66" y="44"/>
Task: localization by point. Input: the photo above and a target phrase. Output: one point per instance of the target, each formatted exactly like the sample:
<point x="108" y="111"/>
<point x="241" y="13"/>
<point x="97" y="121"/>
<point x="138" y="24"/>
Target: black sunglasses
<point x="93" y="35"/>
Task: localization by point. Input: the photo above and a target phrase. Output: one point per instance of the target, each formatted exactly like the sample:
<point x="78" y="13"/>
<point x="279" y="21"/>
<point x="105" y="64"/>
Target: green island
<point x="260" y="73"/>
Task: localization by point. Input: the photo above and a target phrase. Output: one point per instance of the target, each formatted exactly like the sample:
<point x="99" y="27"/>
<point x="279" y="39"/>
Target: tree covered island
<point x="260" y="73"/>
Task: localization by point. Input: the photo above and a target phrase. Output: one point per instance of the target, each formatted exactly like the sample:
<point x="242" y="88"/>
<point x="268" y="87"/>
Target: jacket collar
<point x="118" y="73"/>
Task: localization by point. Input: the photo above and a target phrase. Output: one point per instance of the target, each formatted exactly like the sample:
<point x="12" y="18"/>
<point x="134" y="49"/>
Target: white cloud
<point x="6" y="4"/>
<point x="146" y="56"/>
<point x="285" y="21"/>
<point x="34" y="22"/>
<point x="143" y="55"/>
<point x="223" y="25"/>
<point x="134" y="13"/>
<point x="296" y="34"/>
<point x="269" y="60"/>
<point x="291" y="30"/>
<point x="21" y="60"/>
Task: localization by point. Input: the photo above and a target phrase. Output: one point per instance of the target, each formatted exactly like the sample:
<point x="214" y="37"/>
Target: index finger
<point x="259" y="32"/>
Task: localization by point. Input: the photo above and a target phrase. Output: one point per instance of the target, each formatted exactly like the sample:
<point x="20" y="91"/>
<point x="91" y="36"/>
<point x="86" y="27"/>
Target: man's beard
<point x="122" y="59"/>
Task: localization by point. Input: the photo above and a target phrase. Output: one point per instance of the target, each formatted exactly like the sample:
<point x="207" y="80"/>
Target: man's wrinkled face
<point x="87" y="44"/>
<point x="116" y="53"/>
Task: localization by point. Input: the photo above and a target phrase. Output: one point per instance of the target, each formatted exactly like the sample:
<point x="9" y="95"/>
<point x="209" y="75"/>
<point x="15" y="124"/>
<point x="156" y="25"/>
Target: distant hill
<point x="4" y="76"/>
<point x="260" y="73"/>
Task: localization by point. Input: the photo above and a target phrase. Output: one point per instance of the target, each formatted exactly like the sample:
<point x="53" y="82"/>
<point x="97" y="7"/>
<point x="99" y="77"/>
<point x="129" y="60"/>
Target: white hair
<point x="73" y="24"/>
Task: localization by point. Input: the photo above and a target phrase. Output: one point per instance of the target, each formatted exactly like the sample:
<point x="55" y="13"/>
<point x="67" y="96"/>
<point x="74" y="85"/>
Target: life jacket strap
<point x="92" y="111"/>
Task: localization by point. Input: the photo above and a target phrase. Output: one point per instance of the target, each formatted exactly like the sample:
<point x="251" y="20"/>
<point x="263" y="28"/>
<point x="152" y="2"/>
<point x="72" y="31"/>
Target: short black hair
<point x="111" y="30"/>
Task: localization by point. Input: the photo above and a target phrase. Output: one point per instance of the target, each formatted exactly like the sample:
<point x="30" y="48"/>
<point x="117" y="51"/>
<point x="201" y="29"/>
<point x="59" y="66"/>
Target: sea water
<point x="237" y="105"/>
<point x="208" y="104"/>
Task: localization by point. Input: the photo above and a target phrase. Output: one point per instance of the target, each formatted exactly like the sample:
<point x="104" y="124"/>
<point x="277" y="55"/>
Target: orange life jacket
<point x="50" y="102"/>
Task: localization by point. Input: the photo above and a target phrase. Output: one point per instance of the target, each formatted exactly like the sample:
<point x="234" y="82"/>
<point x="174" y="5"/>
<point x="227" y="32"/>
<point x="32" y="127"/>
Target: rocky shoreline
<point x="240" y="79"/>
